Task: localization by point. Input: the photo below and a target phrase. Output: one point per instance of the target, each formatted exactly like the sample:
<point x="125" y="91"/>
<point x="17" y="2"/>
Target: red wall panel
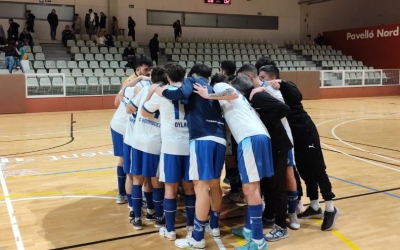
<point x="376" y="46"/>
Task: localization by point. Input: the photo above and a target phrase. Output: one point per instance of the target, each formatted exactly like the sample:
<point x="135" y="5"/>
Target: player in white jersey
<point x="145" y="152"/>
<point x="174" y="161"/>
<point x="254" y="155"/>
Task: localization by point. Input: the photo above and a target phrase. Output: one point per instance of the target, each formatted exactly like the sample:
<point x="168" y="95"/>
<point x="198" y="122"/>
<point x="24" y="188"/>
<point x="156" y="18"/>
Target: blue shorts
<point x="118" y="143"/>
<point x="290" y="158"/>
<point x="255" y="158"/>
<point x="127" y="158"/>
<point x="174" y="168"/>
<point x="206" y="160"/>
<point x="144" y="164"/>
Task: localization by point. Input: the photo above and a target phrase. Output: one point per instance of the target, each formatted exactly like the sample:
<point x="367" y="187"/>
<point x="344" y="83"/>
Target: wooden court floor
<point x="58" y="192"/>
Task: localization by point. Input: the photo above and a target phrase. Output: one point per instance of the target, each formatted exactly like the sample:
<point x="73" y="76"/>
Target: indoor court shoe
<point x="240" y="232"/>
<point x="131" y="215"/>
<point x="160" y="222"/>
<point x="137" y="224"/>
<point x="294" y="223"/>
<point x="276" y="234"/>
<point x="121" y="199"/>
<point x="251" y="245"/>
<point x="330" y="219"/>
<point x="310" y="213"/>
<point x="168" y="235"/>
<point x="230" y="198"/>
<point x="214" y="232"/>
<point x="151" y="217"/>
<point x="190" y="243"/>
<point x="268" y="223"/>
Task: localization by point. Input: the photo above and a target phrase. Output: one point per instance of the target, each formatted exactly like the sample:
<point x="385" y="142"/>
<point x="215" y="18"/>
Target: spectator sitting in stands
<point x="100" y="40"/>
<point x="109" y="39"/>
<point x="66" y="35"/>
<point x="129" y="55"/>
<point x="26" y="37"/>
<point x="319" y="40"/>
<point x="21" y="54"/>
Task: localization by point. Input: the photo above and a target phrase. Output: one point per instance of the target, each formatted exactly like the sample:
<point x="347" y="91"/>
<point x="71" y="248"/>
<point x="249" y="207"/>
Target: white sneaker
<point x="299" y="207"/>
<point x="189" y="230"/>
<point x="294" y="223"/>
<point x="168" y="235"/>
<point x="214" y="232"/>
<point x="190" y="243"/>
<point x="230" y="198"/>
<point x="121" y="199"/>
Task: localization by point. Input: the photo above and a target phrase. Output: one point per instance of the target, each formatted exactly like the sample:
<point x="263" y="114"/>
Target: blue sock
<point x="199" y="228"/>
<point x="170" y="211"/>
<point x="137" y="200"/>
<point x="129" y="198"/>
<point x="149" y="199"/>
<point x="214" y="219"/>
<point x="247" y="224"/>
<point x="292" y="201"/>
<point x="256" y="221"/>
<point x="158" y="198"/>
<point x="190" y="202"/>
<point x="121" y="180"/>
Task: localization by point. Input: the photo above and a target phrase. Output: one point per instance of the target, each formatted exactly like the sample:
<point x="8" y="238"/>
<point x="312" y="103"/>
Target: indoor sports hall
<point x="57" y="168"/>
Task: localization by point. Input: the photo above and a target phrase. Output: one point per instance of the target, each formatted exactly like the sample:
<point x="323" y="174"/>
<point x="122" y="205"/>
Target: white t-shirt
<point x="131" y="119"/>
<point x="174" y="129"/>
<point x="119" y="120"/>
<point x="240" y="116"/>
<point x="147" y="131"/>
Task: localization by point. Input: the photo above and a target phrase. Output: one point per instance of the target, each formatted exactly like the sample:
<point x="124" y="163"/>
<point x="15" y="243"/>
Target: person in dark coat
<point x="177" y="29"/>
<point x="52" y="18"/>
<point x="96" y="23"/>
<point x="153" y="47"/>
<point x="103" y="21"/>
<point x="129" y="56"/>
<point x="26" y="37"/>
<point x="30" y="21"/>
<point x="109" y="39"/>
<point x="13" y="30"/>
<point x="131" y="27"/>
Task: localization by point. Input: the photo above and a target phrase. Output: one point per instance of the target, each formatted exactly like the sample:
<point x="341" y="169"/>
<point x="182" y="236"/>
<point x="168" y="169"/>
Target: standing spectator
<point x="109" y="39"/>
<point x="26" y="37"/>
<point x="77" y="24"/>
<point x="52" y="18"/>
<point x="115" y="26"/>
<point x="91" y="22"/>
<point x="13" y="30"/>
<point x="67" y="34"/>
<point x="100" y="39"/>
<point x="177" y="29"/>
<point x="153" y="47"/>
<point x="9" y="56"/>
<point x="87" y="24"/>
<point x="21" y="54"/>
<point x="131" y="27"/>
<point x="103" y="21"/>
<point x="129" y="55"/>
<point x="319" y="40"/>
<point x="2" y="35"/>
<point x="96" y="23"/>
<point x="30" y="21"/>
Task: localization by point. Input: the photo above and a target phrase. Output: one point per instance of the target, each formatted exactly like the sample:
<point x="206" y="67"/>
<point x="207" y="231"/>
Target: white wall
<point x="347" y="14"/>
<point x="287" y="10"/>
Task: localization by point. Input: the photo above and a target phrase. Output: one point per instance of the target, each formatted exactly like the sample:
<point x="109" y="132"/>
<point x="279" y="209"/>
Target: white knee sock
<point x="314" y="204"/>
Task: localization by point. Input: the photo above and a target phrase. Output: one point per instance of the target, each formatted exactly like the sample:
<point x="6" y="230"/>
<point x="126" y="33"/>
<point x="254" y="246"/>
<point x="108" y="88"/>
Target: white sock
<point x="130" y="209"/>
<point x="258" y="242"/>
<point x="314" y="204"/>
<point x="329" y="206"/>
<point x="246" y="230"/>
<point x="151" y="211"/>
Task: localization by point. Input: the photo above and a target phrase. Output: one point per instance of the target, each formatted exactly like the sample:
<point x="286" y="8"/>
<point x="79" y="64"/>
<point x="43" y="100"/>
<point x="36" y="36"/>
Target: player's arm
<point x="227" y="94"/>
<point x="119" y="97"/>
<point x="288" y="89"/>
<point x="264" y="103"/>
<point x="150" y="105"/>
<point x="181" y="93"/>
<point x="131" y="107"/>
<point x="134" y="81"/>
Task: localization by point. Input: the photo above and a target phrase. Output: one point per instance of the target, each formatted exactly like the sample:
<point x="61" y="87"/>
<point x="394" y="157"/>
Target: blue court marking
<point x="359" y="185"/>
<point x="75" y="171"/>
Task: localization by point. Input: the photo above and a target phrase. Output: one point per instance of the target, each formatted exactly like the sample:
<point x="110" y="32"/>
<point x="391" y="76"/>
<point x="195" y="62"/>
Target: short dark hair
<point x="175" y="72"/>
<point x="270" y="70"/>
<point x="155" y="35"/>
<point x="230" y="78"/>
<point x="218" y="77"/>
<point x="158" y="75"/>
<point x="90" y="10"/>
<point x="242" y="83"/>
<point x="264" y="60"/>
<point x="248" y="69"/>
<point x="200" y="70"/>
<point x="12" y="20"/>
<point x="144" y="60"/>
<point x="229" y="67"/>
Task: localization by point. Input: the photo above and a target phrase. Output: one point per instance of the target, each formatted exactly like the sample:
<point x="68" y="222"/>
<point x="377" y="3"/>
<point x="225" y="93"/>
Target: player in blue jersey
<point x="174" y="162"/>
<point x="254" y="154"/>
<point x="145" y="153"/>
<point x="207" y="152"/>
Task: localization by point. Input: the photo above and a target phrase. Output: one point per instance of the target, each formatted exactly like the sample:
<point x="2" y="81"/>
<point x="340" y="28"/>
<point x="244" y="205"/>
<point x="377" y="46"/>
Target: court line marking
<point x="53" y="133"/>
<point x="11" y="214"/>
<point x="63" y="196"/>
<point x="80" y="172"/>
<point x="340" y="236"/>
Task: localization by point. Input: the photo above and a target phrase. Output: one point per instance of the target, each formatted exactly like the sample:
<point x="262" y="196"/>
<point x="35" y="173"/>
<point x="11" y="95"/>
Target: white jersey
<point x="147" y="131"/>
<point x="240" y="116"/>
<point x="131" y="119"/>
<point x="174" y="129"/>
<point x="119" y="120"/>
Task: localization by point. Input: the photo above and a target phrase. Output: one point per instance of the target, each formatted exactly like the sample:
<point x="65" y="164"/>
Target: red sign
<point x="375" y="46"/>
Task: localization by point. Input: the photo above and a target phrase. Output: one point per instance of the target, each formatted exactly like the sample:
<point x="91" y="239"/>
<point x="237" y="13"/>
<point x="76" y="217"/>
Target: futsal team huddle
<point x="172" y="131"/>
